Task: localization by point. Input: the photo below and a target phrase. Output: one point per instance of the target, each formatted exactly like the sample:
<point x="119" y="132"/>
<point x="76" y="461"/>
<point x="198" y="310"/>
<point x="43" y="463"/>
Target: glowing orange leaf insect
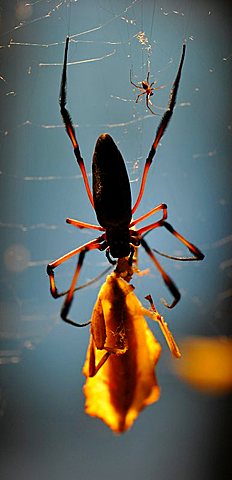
<point x="122" y="354"/>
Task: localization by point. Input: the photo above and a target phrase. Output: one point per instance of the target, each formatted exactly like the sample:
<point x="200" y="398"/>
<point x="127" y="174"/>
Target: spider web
<point x="40" y="182"/>
<point x="41" y="185"/>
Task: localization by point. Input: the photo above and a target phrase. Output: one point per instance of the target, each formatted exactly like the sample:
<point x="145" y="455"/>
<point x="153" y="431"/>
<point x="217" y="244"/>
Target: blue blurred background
<point x="44" y="430"/>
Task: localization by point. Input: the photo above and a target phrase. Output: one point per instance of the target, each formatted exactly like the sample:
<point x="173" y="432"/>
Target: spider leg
<point x="136" y="86"/>
<point x="197" y="254"/>
<point x="167" y="280"/>
<point x="159" y="88"/>
<point x="140" y="95"/>
<point x="69" y="297"/>
<point x="93" y="244"/>
<point x="79" y="224"/>
<point x="162" y="206"/>
<point x="161" y="129"/>
<point x="69" y="125"/>
<point x="148" y="106"/>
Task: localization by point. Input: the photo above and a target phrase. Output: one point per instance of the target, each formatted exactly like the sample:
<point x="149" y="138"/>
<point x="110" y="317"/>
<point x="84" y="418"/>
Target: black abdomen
<point x="111" y="187"/>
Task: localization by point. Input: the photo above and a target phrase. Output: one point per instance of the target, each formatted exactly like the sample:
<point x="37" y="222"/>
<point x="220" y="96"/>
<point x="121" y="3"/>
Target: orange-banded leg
<point x="161" y="129"/>
<point x="69" y="125"/>
<point x="162" y="206"/>
<point x="167" y="280"/>
<point x="197" y="255"/>
<point x="98" y="243"/>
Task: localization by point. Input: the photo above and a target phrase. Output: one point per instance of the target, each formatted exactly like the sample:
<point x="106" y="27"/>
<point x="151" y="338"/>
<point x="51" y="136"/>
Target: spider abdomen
<point x="111" y="187"/>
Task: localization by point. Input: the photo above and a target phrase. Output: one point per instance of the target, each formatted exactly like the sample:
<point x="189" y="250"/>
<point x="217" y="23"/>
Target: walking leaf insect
<point x="111" y="200"/>
<point x="123" y="353"/>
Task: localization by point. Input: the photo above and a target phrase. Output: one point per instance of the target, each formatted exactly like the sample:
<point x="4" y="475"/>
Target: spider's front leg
<point x="69" y="125"/>
<point x="161" y="129"/>
<point x="132" y="83"/>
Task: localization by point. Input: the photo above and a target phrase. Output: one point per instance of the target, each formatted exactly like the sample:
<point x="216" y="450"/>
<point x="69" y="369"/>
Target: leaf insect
<point x="122" y="353"/>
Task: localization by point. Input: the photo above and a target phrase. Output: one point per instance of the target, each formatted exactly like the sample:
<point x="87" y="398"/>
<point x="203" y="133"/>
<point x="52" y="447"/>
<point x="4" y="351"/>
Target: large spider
<point x="111" y="200"/>
<point x="146" y="89"/>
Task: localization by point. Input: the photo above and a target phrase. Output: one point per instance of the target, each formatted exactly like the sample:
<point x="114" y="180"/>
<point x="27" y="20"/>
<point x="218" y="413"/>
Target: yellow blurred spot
<point x="206" y="364"/>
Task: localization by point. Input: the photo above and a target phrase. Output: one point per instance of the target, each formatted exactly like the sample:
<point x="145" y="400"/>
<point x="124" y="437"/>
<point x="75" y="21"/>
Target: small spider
<point x="146" y="89"/>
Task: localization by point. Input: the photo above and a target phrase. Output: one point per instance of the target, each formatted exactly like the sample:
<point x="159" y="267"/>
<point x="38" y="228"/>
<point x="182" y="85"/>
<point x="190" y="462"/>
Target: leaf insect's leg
<point x="164" y="328"/>
<point x="93" y="368"/>
<point x="96" y="243"/>
<point x="167" y="280"/>
<point x="161" y="129"/>
<point x="69" y="125"/>
<point x="99" y="340"/>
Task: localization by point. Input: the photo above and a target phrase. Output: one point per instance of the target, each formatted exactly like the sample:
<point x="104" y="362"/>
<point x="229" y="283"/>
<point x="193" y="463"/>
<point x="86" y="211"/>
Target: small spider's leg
<point x="162" y="206"/>
<point x="79" y="224"/>
<point x="140" y="95"/>
<point x="136" y="86"/>
<point x="161" y="129"/>
<point x="93" y="244"/>
<point x="69" y="125"/>
<point x="158" y="88"/>
<point x="167" y="280"/>
<point x="148" y="75"/>
<point x="163" y="326"/>
<point x="147" y="103"/>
